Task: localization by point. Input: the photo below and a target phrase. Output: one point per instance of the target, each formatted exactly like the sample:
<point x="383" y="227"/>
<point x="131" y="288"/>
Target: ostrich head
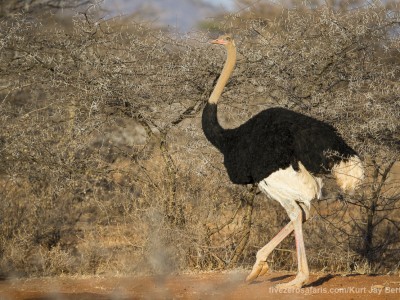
<point x="225" y="40"/>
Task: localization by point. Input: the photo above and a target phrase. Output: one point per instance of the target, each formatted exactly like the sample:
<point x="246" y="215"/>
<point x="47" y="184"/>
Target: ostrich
<point x="281" y="151"/>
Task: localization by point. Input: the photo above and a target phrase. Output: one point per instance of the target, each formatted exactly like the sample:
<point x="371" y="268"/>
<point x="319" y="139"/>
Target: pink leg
<point x="261" y="267"/>
<point x="303" y="272"/>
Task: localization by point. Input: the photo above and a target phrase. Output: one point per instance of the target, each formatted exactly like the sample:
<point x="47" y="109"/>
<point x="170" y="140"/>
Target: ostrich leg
<point x="261" y="267"/>
<point x="295" y="214"/>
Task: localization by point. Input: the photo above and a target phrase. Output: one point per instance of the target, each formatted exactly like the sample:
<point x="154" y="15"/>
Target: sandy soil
<point x="202" y="286"/>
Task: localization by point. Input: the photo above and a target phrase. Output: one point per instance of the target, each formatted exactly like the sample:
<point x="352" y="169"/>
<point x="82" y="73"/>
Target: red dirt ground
<point x="202" y="286"/>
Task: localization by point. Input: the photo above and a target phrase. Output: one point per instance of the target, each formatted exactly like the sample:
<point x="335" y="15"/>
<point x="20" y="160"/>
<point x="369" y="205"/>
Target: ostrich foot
<point x="298" y="282"/>
<point x="259" y="269"/>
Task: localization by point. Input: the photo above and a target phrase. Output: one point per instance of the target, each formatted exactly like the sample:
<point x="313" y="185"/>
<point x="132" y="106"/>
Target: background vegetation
<point x="104" y="168"/>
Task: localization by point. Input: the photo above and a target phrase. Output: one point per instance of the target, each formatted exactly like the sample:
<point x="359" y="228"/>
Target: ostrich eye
<point x="228" y="38"/>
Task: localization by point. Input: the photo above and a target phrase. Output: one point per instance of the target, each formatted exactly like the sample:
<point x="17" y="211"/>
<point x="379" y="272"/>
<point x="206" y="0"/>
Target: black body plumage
<point x="274" y="139"/>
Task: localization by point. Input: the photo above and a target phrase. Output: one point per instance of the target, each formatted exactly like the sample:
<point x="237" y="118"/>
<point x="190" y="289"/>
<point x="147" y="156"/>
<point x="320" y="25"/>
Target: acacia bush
<point x="104" y="167"/>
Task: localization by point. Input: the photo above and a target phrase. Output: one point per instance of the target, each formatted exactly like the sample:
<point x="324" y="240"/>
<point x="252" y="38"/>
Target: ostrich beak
<point x="218" y="41"/>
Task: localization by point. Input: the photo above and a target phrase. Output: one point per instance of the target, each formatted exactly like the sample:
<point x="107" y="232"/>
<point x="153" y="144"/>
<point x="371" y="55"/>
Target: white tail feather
<point x="349" y="174"/>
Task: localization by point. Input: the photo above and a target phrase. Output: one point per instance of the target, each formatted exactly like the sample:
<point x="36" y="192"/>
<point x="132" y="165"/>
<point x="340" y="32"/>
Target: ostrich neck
<point x="225" y="74"/>
<point x="211" y="127"/>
